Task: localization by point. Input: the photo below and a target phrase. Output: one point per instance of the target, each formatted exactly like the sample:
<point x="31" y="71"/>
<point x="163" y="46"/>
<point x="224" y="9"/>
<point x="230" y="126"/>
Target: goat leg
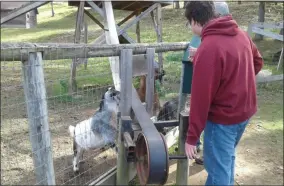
<point x="77" y="154"/>
<point x="81" y="156"/>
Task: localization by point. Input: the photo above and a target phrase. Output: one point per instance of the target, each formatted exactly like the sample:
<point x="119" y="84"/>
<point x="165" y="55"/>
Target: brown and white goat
<point x="142" y="90"/>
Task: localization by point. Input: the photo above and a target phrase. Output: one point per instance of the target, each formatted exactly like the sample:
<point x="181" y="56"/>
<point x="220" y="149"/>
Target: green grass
<point x="60" y="28"/>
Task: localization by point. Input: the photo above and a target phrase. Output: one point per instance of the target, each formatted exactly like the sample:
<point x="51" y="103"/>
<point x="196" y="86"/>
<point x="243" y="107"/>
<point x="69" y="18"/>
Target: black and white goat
<point x="99" y="130"/>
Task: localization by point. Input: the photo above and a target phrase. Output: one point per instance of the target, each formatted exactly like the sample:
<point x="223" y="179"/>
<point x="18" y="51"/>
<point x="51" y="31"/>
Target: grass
<point x="60" y="28"/>
<point x="97" y="76"/>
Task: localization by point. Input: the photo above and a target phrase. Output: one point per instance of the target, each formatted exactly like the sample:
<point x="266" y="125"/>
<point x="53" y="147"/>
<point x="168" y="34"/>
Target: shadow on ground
<point x="92" y="168"/>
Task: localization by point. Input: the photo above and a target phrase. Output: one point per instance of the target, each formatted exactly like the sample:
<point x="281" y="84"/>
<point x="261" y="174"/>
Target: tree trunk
<point x="239" y="2"/>
<point x="261" y="18"/>
<point x="184" y="4"/>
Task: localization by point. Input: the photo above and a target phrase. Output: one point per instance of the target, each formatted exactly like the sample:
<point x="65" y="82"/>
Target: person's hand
<point x="192" y="52"/>
<point x="190" y="151"/>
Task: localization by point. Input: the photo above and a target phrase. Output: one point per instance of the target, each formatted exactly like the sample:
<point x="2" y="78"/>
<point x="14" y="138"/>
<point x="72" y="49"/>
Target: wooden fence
<point x="33" y="56"/>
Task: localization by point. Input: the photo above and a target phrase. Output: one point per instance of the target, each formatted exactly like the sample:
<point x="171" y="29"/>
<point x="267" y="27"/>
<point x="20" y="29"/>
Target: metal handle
<point x="177" y="157"/>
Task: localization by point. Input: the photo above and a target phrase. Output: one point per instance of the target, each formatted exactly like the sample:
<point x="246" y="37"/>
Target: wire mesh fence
<point x="65" y="108"/>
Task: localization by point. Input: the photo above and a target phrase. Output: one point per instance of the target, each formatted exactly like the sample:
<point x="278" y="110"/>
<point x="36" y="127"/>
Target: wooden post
<point x="35" y="95"/>
<point x="138" y="29"/>
<point x="31" y="19"/>
<point x="86" y="42"/>
<point x="79" y="24"/>
<point x="150" y="81"/>
<point x="111" y="38"/>
<point x="184" y="4"/>
<point x="280" y="59"/>
<point x="249" y="30"/>
<point x="182" y="96"/>
<point x="52" y="9"/>
<point x="261" y="18"/>
<point x="159" y="34"/>
<point x="182" y="165"/>
<point x="122" y="176"/>
<point x="176" y="4"/>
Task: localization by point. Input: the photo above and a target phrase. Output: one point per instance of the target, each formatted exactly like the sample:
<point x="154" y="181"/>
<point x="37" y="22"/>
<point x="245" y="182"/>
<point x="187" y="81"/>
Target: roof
<point x="125" y="5"/>
<point x="10" y="5"/>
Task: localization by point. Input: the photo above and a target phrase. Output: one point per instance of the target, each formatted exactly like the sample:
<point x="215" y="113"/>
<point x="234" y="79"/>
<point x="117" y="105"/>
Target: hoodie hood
<point x="220" y="26"/>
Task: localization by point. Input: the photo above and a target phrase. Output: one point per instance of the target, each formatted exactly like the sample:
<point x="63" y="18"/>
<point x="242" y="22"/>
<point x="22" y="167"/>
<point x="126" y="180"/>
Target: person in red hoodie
<point x="223" y="97"/>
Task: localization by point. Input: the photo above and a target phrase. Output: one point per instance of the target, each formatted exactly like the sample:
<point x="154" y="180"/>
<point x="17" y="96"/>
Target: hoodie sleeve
<point x="257" y="58"/>
<point x="205" y="82"/>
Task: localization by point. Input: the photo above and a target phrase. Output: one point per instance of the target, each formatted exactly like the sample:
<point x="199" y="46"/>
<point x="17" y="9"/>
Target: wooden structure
<point x="140" y="9"/>
<point x="14" y="11"/>
<point x="28" y="20"/>
<point x="258" y="28"/>
<point x="157" y="145"/>
<point x="35" y="94"/>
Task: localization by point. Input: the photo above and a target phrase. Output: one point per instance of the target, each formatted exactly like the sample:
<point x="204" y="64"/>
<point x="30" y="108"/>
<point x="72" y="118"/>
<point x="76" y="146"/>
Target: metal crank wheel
<point x="152" y="160"/>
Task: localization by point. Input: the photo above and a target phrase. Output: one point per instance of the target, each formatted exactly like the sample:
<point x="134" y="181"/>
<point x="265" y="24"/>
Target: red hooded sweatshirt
<point x="223" y="82"/>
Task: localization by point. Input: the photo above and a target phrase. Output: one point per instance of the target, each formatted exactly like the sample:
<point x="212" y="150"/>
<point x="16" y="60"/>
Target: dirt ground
<point x="259" y="158"/>
<point x="259" y="154"/>
<point x="256" y="163"/>
<point x="16" y="157"/>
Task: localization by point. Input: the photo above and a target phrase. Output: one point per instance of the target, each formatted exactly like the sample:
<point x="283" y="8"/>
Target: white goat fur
<point x="84" y="138"/>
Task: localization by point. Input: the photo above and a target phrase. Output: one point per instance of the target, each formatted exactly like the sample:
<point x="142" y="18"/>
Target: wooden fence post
<point x="150" y="80"/>
<point x="85" y="41"/>
<point x="261" y="18"/>
<point x="122" y="177"/>
<point x="160" y="35"/>
<point x="35" y="94"/>
<point x="182" y="165"/>
<point x="78" y="29"/>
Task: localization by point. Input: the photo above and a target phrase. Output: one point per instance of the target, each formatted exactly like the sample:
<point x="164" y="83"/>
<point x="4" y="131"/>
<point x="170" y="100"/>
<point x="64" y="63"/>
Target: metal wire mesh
<point x="92" y="83"/>
<point x="64" y="109"/>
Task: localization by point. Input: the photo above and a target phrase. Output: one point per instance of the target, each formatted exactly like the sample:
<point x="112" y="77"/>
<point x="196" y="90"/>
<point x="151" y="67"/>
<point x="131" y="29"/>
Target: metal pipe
<point x="177" y="157"/>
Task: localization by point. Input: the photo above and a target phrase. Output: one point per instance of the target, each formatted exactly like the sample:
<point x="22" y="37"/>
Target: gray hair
<point x="221" y="8"/>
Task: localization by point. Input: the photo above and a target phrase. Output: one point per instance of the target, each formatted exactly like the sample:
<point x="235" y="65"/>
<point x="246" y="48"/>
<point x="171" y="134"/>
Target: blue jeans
<point x="220" y="143"/>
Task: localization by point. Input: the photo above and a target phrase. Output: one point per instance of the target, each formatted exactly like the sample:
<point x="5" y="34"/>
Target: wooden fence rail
<point x="20" y="51"/>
